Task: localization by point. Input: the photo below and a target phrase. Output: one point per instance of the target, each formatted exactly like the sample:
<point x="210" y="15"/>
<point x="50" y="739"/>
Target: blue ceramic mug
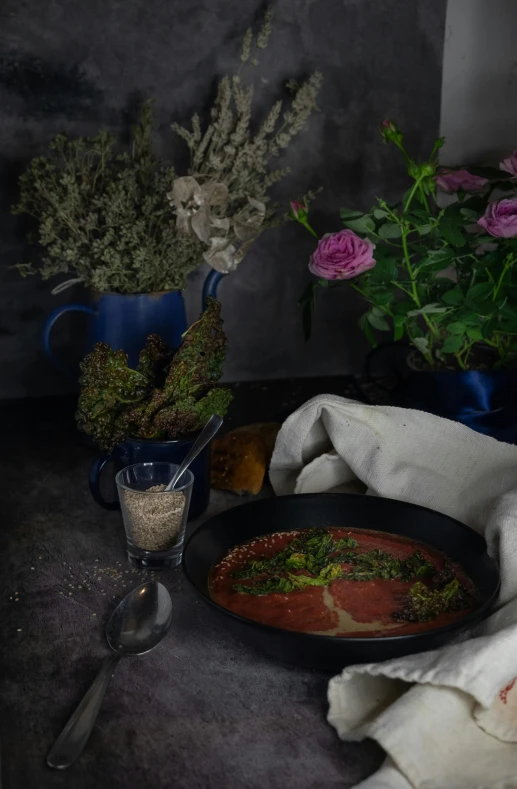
<point x="134" y="450"/>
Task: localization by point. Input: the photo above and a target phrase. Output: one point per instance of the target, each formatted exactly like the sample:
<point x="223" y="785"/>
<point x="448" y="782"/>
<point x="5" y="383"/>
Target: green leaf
<point x="363" y="224"/>
<point x="453" y="296"/>
<point x="350" y="213"/>
<point x="424" y="229"/>
<point x="390" y="230"/>
<point x="385" y="270"/>
<point x="456" y="327"/>
<point x="377" y="322"/>
<point x="475" y="335"/>
<point x="469" y="318"/>
<point x="422" y="343"/>
<point x="427" y="309"/>
<point x="367" y="329"/>
<point x="480" y="292"/>
<point x="421" y="214"/>
<point x="451" y="232"/>
<point x="399" y="324"/>
<point x="403" y="307"/>
<point x="452" y="344"/>
<point x="379" y="213"/>
<point x="508" y="312"/>
<point x="469" y="213"/>
<point x="438" y="259"/>
<point x="382" y="297"/>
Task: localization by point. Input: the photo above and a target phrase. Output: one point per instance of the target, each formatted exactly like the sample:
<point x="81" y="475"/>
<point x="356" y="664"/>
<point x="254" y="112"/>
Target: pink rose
<point x="451" y="180"/>
<point x="509" y="165"/>
<point x="500" y="218"/>
<point x="342" y="255"/>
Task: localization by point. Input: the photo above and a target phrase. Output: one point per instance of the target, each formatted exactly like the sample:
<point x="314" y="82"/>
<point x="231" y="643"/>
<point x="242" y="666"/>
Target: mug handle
<point x="95" y="479"/>
<point x="210" y="286"/>
<point x="47" y="330"/>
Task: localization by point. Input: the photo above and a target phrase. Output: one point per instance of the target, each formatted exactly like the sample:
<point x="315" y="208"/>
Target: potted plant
<point x="153" y="412"/>
<point x="131" y="229"/>
<point x="442" y="278"/>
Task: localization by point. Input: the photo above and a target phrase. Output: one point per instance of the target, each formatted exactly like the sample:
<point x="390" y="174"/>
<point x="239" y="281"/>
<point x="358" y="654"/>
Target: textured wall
<point x="75" y="65"/>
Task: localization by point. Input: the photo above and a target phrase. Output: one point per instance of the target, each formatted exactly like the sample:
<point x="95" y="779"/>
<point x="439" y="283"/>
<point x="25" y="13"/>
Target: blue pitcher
<point x="125" y="321"/>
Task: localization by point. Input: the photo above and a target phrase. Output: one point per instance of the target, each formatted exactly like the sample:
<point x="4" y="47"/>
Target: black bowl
<point x="232" y="527"/>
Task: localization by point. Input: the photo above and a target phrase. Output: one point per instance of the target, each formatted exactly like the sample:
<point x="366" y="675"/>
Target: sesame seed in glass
<point x="154" y="519"/>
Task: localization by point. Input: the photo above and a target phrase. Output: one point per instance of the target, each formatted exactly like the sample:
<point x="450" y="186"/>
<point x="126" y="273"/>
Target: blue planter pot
<point x="484" y="401"/>
<point x="145" y="451"/>
<point x="125" y="321"/>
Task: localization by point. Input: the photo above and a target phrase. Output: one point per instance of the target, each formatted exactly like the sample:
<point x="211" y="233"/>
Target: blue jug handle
<point x="94" y="480"/>
<point x="47" y="330"/>
<point x="210" y="286"/>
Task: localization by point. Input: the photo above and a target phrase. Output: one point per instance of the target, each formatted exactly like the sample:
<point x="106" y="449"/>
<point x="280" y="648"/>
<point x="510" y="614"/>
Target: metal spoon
<point x="206" y="435"/>
<point x="136" y="626"/>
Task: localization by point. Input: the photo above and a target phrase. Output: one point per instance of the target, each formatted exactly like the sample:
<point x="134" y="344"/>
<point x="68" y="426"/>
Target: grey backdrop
<point x="79" y="64"/>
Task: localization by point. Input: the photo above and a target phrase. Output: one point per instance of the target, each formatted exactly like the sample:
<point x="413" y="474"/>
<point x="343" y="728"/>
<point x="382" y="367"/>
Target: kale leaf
<point x="168" y="396"/>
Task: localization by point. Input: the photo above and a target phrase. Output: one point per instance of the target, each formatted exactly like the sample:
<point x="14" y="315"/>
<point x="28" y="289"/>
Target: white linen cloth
<point x="447" y="719"/>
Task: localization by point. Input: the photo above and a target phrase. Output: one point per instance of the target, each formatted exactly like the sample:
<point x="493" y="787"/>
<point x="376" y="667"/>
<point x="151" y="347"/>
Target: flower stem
<point x="414" y="291"/>
<point x="507" y="264"/>
<point x="309" y="228"/>
<point x="412" y="193"/>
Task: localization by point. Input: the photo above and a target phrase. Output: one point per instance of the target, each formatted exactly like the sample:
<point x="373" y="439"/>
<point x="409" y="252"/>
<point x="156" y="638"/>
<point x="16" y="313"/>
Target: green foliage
<point x="166" y="397"/>
<point x="424" y="603"/>
<point x="439" y="280"/>
<point x="105" y="218"/>
<point x="319" y="554"/>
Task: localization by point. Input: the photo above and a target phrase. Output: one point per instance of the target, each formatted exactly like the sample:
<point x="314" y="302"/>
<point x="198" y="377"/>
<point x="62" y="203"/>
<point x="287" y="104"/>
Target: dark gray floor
<point x="203" y="710"/>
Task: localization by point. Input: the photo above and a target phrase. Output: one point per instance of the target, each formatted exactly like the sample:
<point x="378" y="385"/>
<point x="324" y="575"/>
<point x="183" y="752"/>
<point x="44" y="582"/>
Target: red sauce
<point x="343" y="608"/>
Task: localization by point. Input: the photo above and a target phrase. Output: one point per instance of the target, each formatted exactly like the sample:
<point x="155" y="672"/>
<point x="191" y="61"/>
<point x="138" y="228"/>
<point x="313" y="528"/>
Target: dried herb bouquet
<point x="128" y="223"/>
<point x="103" y="217"/>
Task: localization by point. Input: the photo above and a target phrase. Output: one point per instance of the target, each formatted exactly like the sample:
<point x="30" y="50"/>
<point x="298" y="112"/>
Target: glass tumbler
<point x="154" y="520"/>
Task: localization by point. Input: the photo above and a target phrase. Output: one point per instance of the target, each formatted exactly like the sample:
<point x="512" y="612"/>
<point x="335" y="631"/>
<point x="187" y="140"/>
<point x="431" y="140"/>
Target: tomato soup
<point x="343" y="583"/>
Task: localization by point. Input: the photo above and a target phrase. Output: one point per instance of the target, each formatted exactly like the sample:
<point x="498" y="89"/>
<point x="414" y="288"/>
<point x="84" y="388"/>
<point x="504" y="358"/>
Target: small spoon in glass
<point x="206" y="435"/>
<point x="137" y="625"/>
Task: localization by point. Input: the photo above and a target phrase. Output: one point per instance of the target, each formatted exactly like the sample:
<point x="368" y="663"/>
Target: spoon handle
<point x="206" y="435"/>
<point x="70" y="743"/>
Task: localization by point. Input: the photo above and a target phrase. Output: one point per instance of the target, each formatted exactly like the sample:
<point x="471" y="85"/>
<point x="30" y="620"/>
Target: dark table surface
<point x="203" y="709"/>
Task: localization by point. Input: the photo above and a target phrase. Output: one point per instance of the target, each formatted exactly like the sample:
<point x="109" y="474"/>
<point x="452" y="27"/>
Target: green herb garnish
<point x="427" y="602"/>
<point x="316" y="552"/>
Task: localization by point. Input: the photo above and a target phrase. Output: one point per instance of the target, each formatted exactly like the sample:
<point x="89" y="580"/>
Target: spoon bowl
<point x="136" y="626"/>
<point x="140" y="620"/>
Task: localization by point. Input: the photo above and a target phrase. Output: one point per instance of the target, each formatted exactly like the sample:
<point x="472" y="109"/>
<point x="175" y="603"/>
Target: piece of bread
<point x="268" y="431"/>
<point x="238" y="462"/>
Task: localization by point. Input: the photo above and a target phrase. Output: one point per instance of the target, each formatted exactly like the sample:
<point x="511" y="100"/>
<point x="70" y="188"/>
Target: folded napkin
<point x="447" y="719"/>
